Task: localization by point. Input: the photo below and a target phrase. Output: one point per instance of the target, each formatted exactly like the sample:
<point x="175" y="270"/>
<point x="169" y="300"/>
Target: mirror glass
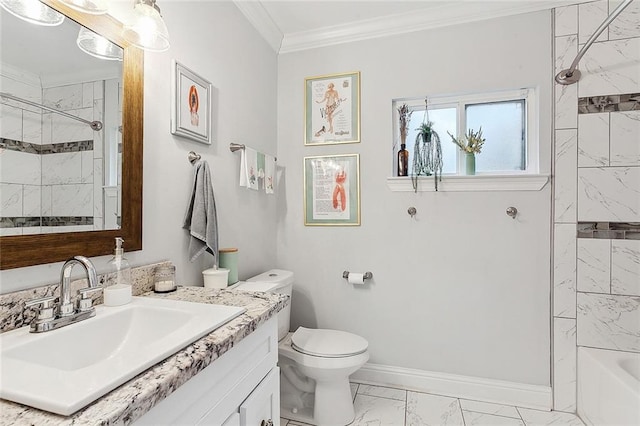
<point x="57" y="174"/>
<point x="50" y="189"/>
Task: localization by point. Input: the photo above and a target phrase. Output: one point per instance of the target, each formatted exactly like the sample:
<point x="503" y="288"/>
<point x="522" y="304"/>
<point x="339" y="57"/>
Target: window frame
<point x="460" y="102"/>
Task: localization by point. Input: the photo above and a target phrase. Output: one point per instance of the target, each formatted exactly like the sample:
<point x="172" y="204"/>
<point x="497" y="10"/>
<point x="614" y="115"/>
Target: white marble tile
<point x="98" y="137"/>
<point x="10" y="122"/>
<point x="593" y="140"/>
<point x="625" y="267"/>
<point x="540" y="418"/>
<point x="19" y="167"/>
<point x="610" y="68"/>
<point x="383" y="392"/>
<point x="564" y="267"/>
<point x="625" y="138"/>
<point x="590" y="17"/>
<point x="489" y="408"/>
<point x="626" y="24"/>
<point x="609" y="194"/>
<point x="98" y="89"/>
<point x="564" y="364"/>
<point x="425" y="409"/>
<point x="566" y="20"/>
<point x="609" y="322"/>
<point x="65" y="129"/>
<point x="566" y="97"/>
<point x="87" y="95"/>
<point x="98" y="204"/>
<point x="62" y="168"/>
<point x="10" y="199"/>
<point x="63" y="97"/>
<point x="47" y="199"/>
<point x="23" y="90"/>
<point x="594" y="265"/>
<point x="72" y="200"/>
<point x="371" y="410"/>
<point x="31" y="230"/>
<point x="31" y="127"/>
<point x="46" y="128"/>
<point x="471" y="418"/>
<point x="87" y="166"/>
<point x="7" y="232"/>
<point x="32" y="200"/>
<point x="566" y="172"/>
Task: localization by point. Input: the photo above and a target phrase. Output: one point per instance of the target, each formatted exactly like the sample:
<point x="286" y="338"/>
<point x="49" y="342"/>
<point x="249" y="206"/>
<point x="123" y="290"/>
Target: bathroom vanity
<point x="228" y="377"/>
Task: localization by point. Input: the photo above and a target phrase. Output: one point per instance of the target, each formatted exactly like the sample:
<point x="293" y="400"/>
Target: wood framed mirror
<point x="26" y="250"/>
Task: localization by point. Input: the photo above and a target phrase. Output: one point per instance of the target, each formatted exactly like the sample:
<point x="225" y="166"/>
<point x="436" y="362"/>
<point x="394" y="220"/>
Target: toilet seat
<point x="327" y="343"/>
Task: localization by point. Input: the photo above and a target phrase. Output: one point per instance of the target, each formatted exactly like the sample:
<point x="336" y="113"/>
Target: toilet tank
<point x="274" y="281"/>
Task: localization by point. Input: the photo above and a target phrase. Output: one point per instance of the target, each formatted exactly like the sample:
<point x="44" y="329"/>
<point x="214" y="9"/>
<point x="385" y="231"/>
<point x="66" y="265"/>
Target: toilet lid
<point x="327" y="343"/>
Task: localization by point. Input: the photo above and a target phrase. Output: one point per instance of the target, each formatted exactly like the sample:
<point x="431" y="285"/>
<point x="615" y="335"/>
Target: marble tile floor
<point x="384" y="406"/>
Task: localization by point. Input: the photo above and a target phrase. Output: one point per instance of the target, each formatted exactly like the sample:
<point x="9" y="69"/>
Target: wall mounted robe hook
<point x="412" y="211"/>
<point x="512" y="212"/>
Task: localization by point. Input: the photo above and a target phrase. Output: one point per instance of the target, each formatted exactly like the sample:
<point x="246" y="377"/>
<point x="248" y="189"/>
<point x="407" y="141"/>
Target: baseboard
<point x="487" y="390"/>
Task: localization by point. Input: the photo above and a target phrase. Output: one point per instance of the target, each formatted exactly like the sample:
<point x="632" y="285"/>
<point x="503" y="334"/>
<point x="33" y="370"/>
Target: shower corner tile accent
<point x="609" y="322"/>
<point x="564" y="276"/>
<point x="564" y="364"/>
<point x="566" y="20"/>
<point x="566" y="160"/>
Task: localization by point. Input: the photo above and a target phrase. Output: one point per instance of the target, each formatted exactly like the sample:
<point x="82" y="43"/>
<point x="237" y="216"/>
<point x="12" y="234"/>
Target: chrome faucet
<point x="50" y="318"/>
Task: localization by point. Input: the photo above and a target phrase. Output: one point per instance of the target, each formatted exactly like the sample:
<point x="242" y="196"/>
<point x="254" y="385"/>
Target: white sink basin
<point x="63" y="370"/>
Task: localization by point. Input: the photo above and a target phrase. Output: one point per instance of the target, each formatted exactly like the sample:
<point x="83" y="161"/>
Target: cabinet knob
<point x="266" y="423"/>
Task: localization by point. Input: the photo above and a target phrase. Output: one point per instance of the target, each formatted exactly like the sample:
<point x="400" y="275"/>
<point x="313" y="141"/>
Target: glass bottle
<point x="403" y="161"/>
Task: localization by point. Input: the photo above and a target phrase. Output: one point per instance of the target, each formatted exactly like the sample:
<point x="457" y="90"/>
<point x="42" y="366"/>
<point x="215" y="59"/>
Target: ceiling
<point x="304" y="24"/>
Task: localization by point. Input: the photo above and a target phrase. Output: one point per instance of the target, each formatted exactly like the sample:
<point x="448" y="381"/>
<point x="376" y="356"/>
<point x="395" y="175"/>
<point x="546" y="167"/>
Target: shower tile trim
<point x="50" y="148"/>
<point x="609" y="230"/>
<point x="22" y="221"/>
<point x="609" y="103"/>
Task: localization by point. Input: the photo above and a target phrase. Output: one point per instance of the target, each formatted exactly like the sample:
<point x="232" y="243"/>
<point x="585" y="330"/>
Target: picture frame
<point x="332" y="109"/>
<point x="190" y="104"/>
<point x="332" y="190"/>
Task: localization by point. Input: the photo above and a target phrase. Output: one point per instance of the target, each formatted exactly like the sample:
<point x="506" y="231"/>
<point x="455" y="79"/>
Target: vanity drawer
<point x="263" y="405"/>
<point x="213" y="395"/>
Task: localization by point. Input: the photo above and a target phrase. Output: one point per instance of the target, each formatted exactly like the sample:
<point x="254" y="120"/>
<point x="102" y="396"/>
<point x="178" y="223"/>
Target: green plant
<point x="427" y="154"/>
<point x="471" y="143"/>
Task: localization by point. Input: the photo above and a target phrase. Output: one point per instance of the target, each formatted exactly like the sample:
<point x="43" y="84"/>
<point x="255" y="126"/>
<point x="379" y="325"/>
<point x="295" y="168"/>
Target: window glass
<point x="443" y="119"/>
<point x="504" y="130"/>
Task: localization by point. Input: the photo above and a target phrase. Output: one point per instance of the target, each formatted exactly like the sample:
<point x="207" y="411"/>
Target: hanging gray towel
<point x="200" y="219"/>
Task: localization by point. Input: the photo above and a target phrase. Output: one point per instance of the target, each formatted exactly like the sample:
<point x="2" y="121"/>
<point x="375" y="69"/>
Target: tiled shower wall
<point x="48" y="171"/>
<point x="596" y="281"/>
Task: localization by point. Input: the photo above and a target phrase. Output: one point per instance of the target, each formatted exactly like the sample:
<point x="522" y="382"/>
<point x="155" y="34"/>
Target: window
<point x="507" y="120"/>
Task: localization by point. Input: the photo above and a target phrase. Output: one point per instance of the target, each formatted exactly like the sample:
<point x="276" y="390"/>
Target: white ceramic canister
<point x="215" y="278"/>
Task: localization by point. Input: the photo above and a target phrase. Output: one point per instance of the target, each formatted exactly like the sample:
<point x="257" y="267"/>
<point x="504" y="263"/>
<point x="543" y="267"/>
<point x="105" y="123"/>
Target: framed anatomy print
<point x="190" y="104"/>
<point x="332" y="109"/>
<point x="332" y="190"/>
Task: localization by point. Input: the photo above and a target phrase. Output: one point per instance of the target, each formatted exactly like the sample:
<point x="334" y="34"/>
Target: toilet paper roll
<point x="356" y="278"/>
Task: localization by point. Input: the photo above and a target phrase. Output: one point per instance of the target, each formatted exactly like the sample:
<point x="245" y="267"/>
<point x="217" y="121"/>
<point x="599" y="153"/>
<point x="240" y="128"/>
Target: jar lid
<point x="228" y="250"/>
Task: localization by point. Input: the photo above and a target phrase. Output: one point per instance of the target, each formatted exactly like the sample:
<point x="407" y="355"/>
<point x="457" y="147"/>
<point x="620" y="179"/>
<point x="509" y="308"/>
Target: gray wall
<point x="462" y="289"/>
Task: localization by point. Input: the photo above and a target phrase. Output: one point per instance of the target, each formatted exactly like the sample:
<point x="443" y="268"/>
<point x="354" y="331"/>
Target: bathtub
<point x="608" y="387"/>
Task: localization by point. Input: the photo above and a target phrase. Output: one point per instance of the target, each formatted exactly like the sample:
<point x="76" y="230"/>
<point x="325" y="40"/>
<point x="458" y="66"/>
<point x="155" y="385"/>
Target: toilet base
<point x="333" y="403"/>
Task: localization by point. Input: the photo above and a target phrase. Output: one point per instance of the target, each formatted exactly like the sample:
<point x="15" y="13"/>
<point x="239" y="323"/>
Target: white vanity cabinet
<point x="242" y="387"/>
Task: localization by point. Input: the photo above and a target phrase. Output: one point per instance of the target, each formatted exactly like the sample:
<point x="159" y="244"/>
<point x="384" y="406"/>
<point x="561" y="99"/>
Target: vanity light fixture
<point x="148" y="30"/>
<point x="33" y="12"/>
<point x="93" y="7"/>
<point x="98" y="46"/>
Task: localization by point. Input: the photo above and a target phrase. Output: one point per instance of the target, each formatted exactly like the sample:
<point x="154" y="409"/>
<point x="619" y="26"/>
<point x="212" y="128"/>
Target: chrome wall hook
<point x="412" y="211"/>
<point x="512" y="212"/>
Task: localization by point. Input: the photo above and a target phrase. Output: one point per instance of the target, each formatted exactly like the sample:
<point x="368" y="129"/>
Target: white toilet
<point x="315" y="364"/>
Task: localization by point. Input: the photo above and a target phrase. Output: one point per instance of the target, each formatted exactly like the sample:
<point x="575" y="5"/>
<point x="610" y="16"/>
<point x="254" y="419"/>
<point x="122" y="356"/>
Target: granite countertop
<point x="131" y="400"/>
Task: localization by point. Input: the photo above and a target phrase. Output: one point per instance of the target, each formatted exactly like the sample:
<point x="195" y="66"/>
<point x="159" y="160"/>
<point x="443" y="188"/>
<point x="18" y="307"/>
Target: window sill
<point x="523" y="182"/>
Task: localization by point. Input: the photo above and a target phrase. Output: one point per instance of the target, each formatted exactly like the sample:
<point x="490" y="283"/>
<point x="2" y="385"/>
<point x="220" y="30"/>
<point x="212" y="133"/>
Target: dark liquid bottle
<point x="403" y="161"/>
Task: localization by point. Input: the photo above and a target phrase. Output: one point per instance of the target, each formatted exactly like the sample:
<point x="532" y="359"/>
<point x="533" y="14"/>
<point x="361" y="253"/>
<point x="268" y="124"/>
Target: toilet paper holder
<point x="367" y="275"/>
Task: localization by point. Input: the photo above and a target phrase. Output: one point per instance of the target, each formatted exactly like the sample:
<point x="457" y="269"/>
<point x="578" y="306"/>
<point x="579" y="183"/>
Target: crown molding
<point x="14" y="73"/>
<point x="257" y="15"/>
<point x="452" y="13"/>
